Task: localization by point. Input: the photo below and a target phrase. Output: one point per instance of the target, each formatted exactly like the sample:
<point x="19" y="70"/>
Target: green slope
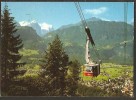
<point x="108" y="37"/>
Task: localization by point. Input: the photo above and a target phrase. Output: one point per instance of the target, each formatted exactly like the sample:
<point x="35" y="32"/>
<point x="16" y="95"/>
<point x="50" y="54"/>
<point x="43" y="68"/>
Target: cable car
<point x="90" y="68"/>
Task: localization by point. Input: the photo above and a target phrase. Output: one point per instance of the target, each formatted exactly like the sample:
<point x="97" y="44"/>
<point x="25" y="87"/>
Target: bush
<point x="28" y="86"/>
<point x="90" y="91"/>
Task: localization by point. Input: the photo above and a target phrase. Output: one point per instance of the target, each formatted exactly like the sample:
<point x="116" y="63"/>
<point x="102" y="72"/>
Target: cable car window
<point x="88" y="69"/>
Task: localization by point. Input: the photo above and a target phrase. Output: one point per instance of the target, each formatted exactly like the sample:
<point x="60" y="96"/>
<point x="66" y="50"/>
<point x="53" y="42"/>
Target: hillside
<point x="103" y="32"/>
<point x="108" y="37"/>
<point x="27" y="33"/>
<point x="30" y="38"/>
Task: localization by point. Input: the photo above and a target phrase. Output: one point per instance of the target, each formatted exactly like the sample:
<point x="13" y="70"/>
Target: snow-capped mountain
<point x="45" y="28"/>
<point x="41" y="28"/>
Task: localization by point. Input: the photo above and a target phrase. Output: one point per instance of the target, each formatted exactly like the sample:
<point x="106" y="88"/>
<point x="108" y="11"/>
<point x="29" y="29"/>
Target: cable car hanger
<point x="87" y="30"/>
<point x="90" y="68"/>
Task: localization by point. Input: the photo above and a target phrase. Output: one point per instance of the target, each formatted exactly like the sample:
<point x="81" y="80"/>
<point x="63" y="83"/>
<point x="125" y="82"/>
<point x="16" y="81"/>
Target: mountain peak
<point x="33" y="21"/>
<point x="41" y="28"/>
<point x="94" y="19"/>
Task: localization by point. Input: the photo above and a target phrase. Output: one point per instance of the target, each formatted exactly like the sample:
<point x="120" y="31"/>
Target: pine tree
<point x="73" y="78"/>
<point x="10" y="45"/>
<point x="55" y="65"/>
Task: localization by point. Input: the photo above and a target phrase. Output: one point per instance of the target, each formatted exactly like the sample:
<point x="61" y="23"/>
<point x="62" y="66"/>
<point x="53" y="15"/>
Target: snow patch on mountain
<point x="41" y="28"/>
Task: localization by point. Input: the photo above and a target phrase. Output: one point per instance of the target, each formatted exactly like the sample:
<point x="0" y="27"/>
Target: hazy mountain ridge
<point x="108" y="37"/>
<point x="103" y="32"/>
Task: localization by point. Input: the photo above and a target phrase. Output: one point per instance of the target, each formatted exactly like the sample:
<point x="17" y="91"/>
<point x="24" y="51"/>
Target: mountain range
<point x="109" y="37"/>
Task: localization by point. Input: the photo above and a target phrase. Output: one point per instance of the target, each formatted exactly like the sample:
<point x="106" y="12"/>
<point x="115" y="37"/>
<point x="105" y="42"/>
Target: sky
<point x="56" y="14"/>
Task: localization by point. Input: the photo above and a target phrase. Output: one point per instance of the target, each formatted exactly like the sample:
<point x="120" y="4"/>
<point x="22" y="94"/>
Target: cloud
<point x="97" y="11"/>
<point x="45" y="26"/>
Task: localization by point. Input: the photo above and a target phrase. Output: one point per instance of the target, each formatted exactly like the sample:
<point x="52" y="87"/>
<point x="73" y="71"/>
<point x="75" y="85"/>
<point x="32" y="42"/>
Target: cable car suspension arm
<point x="87" y="30"/>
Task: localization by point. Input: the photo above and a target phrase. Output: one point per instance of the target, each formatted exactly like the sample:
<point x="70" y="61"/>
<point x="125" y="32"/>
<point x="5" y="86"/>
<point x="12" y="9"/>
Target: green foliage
<point x="29" y="86"/>
<point x="11" y="43"/>
<point x="29" y="52"/>
<point x="30" y="56"/>
<point x="90" y="91"/>
<point x="73" y="78"/>
<point x="55" y="64"/>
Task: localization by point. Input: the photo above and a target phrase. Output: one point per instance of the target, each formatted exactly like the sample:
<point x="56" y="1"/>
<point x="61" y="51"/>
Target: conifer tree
<point x="10" y="45"/>
<point x="55" y="64"/>
<point x="73" y="78"/>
